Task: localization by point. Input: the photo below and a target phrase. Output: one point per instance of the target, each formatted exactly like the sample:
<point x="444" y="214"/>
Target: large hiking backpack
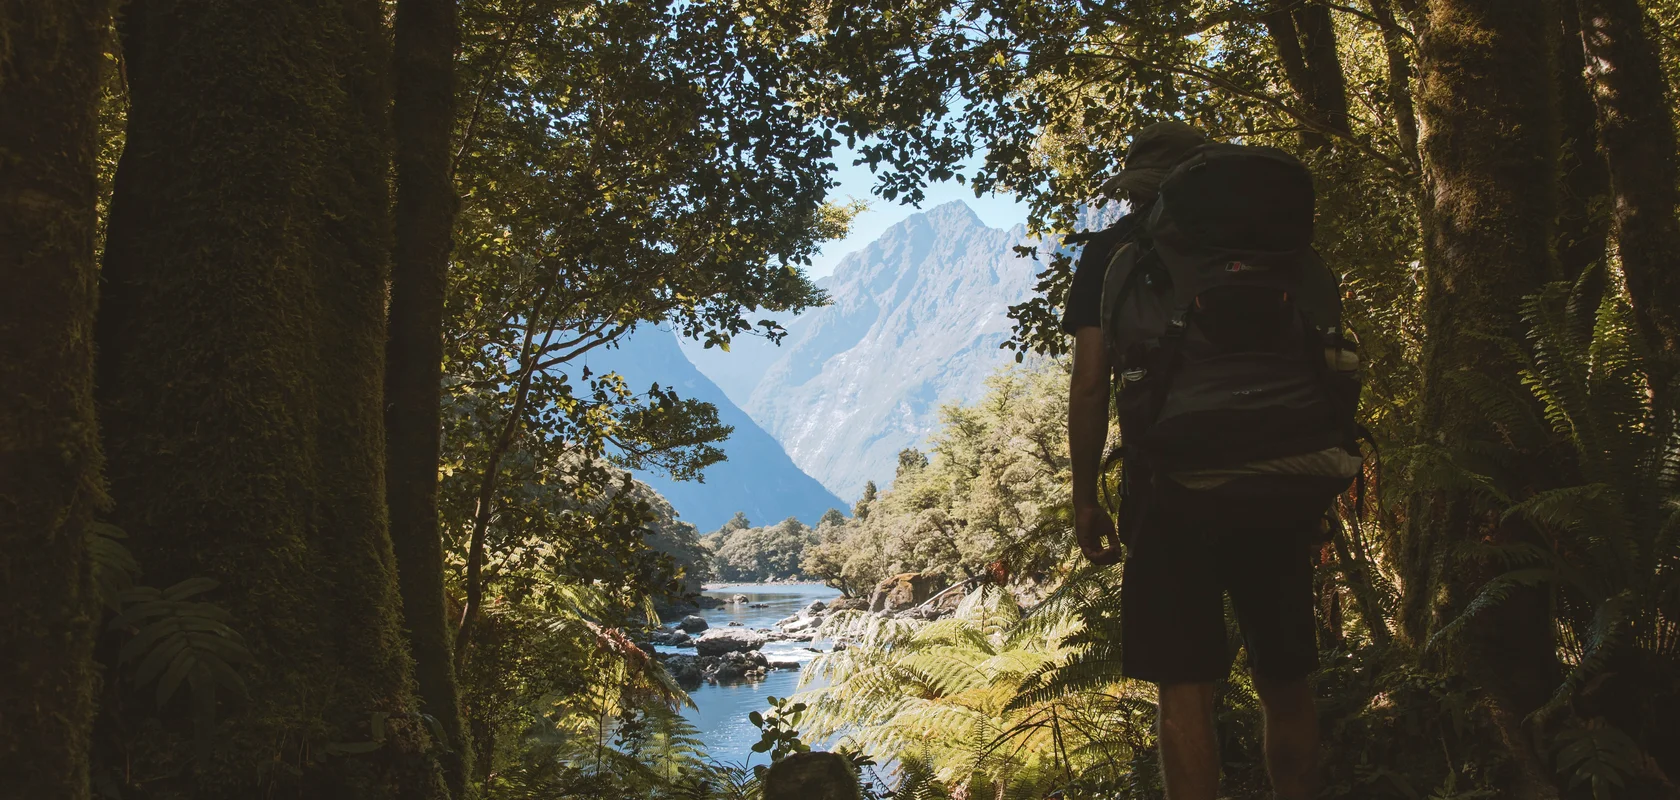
<point x="1237" y="379"/>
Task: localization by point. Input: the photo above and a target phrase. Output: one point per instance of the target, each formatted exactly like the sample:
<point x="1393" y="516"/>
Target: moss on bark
<point x="1637" y="129"/>
<point x="1488" y="104"/>
<point x="50" y="56"/>
<point x="241" y="377"/>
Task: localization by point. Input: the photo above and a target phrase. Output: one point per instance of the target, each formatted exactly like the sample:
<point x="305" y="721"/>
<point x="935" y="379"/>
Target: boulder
<point x="947" y="603"/>
<point x="903" y="591"/>
<point x="739" y="599"/>
<point x="816" y="607"/>
<point x="672" y="639"/>
<point x="687" y="670"/>
<point x="693" y="624"/>
<point x="758" y="605"/>
<point x="800" y="624"/>
<point x="738" y="666"/>
<point x="716" y="642"/>
<point x="848" y="604"/>
<point x="811" y="776"/>
<point x="735" y="623"/>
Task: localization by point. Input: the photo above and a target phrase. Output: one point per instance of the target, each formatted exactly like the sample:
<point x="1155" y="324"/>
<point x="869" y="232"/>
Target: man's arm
<point x="1088" y="396"/>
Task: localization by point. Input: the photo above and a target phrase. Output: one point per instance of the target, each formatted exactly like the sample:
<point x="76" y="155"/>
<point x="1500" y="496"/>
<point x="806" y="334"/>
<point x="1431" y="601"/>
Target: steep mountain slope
<point x="740" y="369"/>
<point x="916" y="320"/>
<point x="758" y="479"/>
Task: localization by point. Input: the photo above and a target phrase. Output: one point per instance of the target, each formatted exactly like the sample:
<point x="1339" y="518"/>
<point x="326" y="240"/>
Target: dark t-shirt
<point x="1084" y="301"/>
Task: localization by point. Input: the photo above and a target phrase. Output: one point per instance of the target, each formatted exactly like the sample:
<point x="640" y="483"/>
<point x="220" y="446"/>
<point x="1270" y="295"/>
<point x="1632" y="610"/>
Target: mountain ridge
<point x="757" y="479"/>
<point x="915" y="321"/>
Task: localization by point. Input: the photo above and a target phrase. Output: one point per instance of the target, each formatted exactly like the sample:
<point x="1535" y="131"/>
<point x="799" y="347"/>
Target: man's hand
<point x="1095" y="533"/>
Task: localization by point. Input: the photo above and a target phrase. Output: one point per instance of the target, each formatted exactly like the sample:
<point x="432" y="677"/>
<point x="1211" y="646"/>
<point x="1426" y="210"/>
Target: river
<point x="721" y="709"/>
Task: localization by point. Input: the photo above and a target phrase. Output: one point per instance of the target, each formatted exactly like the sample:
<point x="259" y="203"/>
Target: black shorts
<point x="1183" y="561"/>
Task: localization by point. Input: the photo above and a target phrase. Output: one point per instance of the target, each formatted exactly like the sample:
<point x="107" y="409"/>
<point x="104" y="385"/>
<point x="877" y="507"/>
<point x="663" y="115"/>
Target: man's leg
<point x="1189" y="749"/>
<point x="1291" y="737"/>
<point x="1270" y="577"/>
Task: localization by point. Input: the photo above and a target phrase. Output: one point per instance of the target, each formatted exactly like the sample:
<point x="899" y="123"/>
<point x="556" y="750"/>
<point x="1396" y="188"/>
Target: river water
<point x="721" y="709"/>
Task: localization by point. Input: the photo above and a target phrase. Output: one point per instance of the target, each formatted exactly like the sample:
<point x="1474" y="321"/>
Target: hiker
<point x="1236" y="395"/>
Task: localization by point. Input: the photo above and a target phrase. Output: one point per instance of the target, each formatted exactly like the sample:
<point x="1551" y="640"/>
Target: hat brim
<point x="1136" y="180"/>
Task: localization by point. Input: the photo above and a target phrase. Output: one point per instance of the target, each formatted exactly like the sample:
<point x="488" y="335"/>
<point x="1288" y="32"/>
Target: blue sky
<point x="998" y="211"/>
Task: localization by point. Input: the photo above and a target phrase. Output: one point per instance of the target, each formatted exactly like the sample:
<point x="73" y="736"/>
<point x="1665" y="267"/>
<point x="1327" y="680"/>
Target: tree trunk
<point x="1399" y="79"/>
<point x="1584" y="216"/>
<point x="423" y="117"/>
<point x="240" y="374"/>
<point x="1637" y="129"/>
<point x="1306" y="43"/>
<point x="530" y="354"/>
<point x="1489" y="110"/>
<point x="1327" y="84"/>
<point x="49" y="440"/>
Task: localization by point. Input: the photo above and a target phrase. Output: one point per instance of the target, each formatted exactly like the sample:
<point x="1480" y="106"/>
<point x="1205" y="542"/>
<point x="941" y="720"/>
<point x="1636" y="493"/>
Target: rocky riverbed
<point x="733" y="652"/>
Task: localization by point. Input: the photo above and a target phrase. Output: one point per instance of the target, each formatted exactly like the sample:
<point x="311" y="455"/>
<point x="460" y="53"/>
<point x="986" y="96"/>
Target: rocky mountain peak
<point x="915" y="322"/>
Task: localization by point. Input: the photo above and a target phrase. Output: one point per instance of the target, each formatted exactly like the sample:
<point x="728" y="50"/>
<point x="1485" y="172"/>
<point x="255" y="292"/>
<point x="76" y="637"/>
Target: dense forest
<point x="304" y="490"/>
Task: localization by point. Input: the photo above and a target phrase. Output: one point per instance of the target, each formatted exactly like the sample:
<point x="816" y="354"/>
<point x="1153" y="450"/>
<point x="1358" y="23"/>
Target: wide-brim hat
<point x="1155" y="150"/>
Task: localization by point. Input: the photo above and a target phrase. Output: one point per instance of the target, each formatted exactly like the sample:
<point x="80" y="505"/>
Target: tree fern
<point x="1611" y="550"/>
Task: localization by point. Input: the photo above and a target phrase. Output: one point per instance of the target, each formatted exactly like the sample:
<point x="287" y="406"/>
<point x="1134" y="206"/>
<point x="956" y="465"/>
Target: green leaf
<point x="183" y="664"/>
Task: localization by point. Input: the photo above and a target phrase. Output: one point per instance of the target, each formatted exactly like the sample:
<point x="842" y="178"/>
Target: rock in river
<point x="716" y="642"/>
<point x="672" y="639"/>
<point x="688" y="670"/>
<point x="739" y="666"/>
<point x="693" y="624"/>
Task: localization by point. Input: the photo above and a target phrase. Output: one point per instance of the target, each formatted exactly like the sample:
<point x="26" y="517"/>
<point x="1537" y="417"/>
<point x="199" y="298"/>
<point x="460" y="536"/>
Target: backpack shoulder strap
<point x="1119" y="278"/>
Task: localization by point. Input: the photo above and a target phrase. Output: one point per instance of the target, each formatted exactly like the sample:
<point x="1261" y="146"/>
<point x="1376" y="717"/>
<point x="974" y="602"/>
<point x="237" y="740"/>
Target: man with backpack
<point x="1237" y="391"/>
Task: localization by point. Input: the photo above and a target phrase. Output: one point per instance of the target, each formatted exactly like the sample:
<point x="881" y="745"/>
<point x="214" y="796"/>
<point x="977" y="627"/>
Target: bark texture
<point x="423" y="117"/>
<point x="50" y="56"/>
<point x="1584" y="214"/>
<point x="1305" y="38"/>
<point x="1326" y="88"/>
<point x="1399" y="79"/>
<point x="241" y="375"/>
<point x="1490" y="118"/>
<point x="1636" y="127"/>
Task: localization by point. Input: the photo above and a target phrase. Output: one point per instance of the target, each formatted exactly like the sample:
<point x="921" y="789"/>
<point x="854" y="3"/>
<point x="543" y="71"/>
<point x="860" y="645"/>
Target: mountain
<point x="915" y="322"/>
<point x="738" y="371"/>
<point x="758" y="479"/>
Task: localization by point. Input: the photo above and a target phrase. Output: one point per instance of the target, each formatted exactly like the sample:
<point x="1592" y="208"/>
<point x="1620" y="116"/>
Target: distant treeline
<point x="997" y="474"/>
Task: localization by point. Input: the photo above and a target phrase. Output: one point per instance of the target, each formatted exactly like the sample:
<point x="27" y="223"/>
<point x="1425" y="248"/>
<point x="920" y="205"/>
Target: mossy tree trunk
<point x="50" y="485"/>
<point x="241" y="376"/>
<point x="423" y="117"/>
<point x="1636" y="126"/>
<point x="1584" y="215"/>
<point x="1489" y="110"/>
<point x="1399" y="78"/>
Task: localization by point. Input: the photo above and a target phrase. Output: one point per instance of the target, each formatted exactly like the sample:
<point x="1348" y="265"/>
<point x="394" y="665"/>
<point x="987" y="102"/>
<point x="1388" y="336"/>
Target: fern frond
<point x="1492" y="594"/>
